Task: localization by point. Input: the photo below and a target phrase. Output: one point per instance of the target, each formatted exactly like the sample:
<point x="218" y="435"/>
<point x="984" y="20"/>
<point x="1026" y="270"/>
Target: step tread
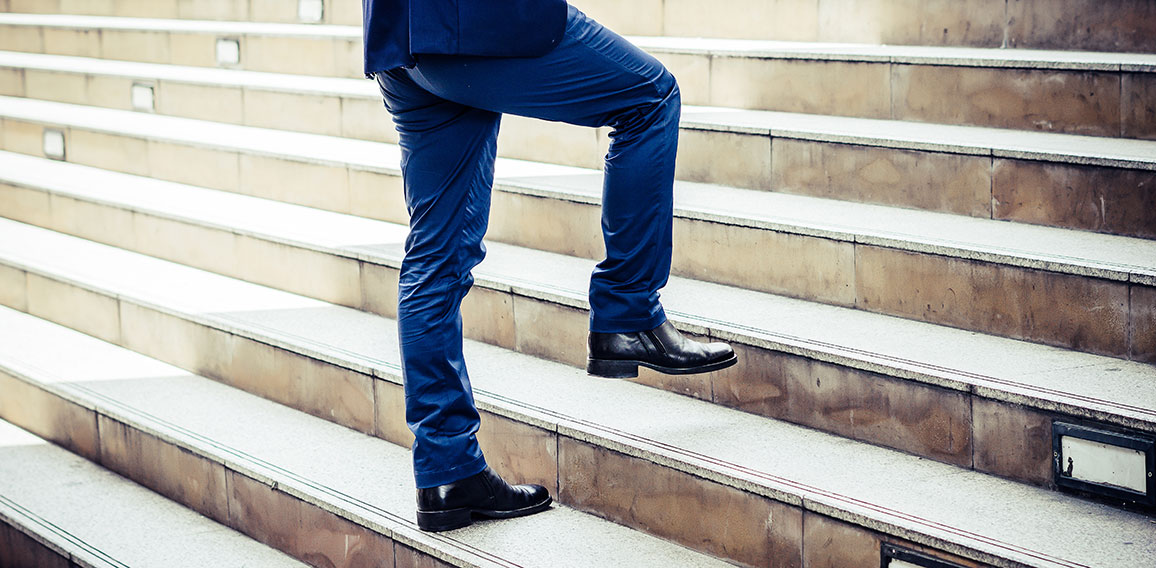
<point x="1127" y="259"/>
<point x="927" y="55"/>
<point x="1121" y="391"/>
<point x="351" y="471"/>
<point x="970" y="140"/>
<point x="96" y="518"/>
<point x="883" y="489"/>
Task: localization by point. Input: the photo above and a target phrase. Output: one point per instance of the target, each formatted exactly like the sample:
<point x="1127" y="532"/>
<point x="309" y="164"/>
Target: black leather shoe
<point x="664" y="349"/>
<point x="486" y="494"/>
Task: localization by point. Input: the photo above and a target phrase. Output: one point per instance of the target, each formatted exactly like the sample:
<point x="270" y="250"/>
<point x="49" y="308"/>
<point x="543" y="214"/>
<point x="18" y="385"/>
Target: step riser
<point x="239" y="500"/>
<point x="1100" y="103"/>
<point x="1121" y="25"/>
<point x="19" y="549"/>
<point x="1079" y="312"/>
<point x="583" y="475"/>
<point x="952" y="426"/>
<point x="1102" y="199"/>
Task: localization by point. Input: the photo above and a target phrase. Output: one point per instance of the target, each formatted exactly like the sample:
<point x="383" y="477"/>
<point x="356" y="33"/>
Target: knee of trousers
<point x="662" y="111"/>
<point x="670" y="96"/>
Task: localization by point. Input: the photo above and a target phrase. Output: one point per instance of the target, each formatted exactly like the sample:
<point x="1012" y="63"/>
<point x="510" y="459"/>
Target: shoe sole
<point x="438" y="521"/>
<point x="627" y="369"/>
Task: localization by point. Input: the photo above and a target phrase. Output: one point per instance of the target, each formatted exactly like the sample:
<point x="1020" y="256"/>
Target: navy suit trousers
<point x="447" y="110"/>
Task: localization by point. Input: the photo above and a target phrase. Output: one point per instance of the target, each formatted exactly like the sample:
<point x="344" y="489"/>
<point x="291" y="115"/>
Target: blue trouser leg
<point x="448" y="153"/>
<point x="447" y="110"/>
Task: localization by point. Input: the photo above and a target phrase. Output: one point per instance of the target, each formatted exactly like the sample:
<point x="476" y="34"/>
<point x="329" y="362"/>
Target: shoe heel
<point x="611" y="369"/>
<point x="436" y="521"/>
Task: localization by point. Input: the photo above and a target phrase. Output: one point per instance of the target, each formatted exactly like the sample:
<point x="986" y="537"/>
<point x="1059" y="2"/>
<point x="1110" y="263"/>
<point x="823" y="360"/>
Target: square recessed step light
<point x="897" y="557"/>
<point x="1117" y="465"/>
<point x="310" y="11"/>
<point x="53" y="144"/>
<point x="143" y="97"/>
<point x="228" y="51"/>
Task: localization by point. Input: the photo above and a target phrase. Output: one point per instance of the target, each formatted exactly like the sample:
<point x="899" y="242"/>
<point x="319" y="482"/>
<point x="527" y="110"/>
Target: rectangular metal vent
<point x="143" y="97"/>
<point x="228" y="51"/>
<point x="54" y="144"/>
<point x="898" y="557"/>
<point x="310" y="11"/>
<point x="1112" y="464"/>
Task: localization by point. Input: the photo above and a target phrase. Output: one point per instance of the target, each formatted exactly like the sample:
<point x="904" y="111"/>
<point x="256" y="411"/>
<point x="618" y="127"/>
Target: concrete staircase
<point x="936" y="259"/>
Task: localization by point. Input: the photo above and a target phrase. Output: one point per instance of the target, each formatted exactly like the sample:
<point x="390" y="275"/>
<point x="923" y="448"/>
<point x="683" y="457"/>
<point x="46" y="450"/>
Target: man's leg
<point x="595" y="78"/>
<point x="447" y="165"/>
<point x="448" y="168"/>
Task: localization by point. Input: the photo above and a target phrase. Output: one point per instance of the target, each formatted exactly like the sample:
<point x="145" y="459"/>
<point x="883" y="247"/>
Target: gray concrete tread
<point x="923" y="55"/>
<point x="98" y="519"/>
<point x="971" y="140"/>
<point x="1039" y="376"/>
<point x="994" y="520"/>
<point x="1045" y="248"/>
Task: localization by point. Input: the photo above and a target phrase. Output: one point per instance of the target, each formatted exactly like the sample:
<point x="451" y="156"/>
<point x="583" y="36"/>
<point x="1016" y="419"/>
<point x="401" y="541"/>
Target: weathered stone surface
<point x="1106" y="200"/>
<point x="1012" y="441"/>
<point x="700" y="514"/>
<point x="1071" y="311"/>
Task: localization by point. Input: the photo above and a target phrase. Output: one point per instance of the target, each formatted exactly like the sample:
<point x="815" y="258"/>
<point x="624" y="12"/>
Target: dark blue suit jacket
<point x="396" y="30"/>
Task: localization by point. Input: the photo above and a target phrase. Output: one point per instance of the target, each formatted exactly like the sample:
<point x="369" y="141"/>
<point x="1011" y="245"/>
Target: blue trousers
<point x="447" y="111"/>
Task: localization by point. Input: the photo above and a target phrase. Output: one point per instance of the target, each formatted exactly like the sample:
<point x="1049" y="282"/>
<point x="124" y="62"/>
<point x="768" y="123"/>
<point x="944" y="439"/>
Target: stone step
<point x="974" y="274"/>
<point x="347" y="12"/>
<point x="319" y="492"/>
<point x="58" y="509"/>
<point x="1091" y="93"/>
<point x="753" y="490"/>
<point x="1117" y="25"/>
<point x="987" y="403"/>
<point x="324" y="50"/>
<point x="1099" y="184"/>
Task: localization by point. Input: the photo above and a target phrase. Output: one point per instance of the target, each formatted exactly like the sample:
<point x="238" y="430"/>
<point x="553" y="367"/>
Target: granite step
<point x="753" y="490"/>
<point x="58" y="509"/>
<point x="974" y="274"/>
<point x="314" y="490"/>
<point x="1091" y="183"/>
<point x="347" y="12"/>
<point x="1090" y="93"/>
<point x="1119" y="25"/>
<point x="864" y="376"/>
